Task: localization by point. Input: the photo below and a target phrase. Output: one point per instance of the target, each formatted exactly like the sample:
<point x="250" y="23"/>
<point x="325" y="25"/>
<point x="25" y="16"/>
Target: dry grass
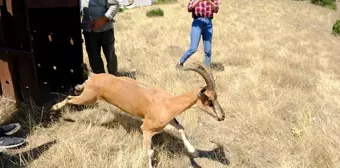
<point x="280" y="88"/>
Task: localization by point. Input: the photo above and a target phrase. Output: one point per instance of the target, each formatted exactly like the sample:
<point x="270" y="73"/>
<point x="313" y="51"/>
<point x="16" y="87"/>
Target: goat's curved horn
<point x="208" y="70"/>
<point x="200" y="69"/>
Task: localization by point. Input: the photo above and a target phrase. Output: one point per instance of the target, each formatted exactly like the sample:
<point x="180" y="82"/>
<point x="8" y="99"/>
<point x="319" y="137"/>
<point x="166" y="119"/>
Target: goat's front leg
<point x="180" y="128"/>
<point x="147" y="135"/>
<point x="148" y="146"/>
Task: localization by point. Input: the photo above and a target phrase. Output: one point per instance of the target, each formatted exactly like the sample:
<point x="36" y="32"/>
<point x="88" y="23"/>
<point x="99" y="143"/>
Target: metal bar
<point x="9" y="50"/>
<point x="1" y="31"/>
<point x="27" y="77"/>
<point x="51" y="3"/>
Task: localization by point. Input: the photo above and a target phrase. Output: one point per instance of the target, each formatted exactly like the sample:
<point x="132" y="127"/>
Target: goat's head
<point x="207" y="97"/>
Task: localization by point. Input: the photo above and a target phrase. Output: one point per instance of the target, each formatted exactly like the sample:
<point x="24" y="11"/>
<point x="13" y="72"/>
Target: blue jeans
<point x="200" y="27"/>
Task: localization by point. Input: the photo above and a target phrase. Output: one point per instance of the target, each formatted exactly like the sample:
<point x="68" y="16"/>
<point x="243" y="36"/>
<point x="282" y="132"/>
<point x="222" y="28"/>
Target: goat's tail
<point x="87" y="72"/>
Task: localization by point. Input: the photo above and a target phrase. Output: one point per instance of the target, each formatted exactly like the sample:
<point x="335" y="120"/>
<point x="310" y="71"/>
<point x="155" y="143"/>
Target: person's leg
<point x="92" y="44"/>
<point x="195" y="35"/>
<point x="108" y="40"/>
<point x="207" y="41"/>
<point x="108" y="44"/>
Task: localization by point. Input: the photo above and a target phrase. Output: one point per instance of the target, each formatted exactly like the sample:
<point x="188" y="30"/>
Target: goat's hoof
<point x="54" y="108"/>
<point x="194" y="153"/>
<point x="152" y="166"/>
<point x="78" y="88"/>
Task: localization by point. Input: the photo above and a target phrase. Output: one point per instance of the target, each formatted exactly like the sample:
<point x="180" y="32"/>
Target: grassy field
<point x="280" y="88"/>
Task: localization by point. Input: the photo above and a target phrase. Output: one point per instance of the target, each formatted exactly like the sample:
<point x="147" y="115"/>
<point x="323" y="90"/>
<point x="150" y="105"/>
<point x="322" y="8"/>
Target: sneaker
<point x="179" y="66"/>
<point x="9" y="129"/>
<point x="10" y="142"/>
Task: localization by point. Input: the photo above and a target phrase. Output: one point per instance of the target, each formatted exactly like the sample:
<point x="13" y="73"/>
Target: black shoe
<point x="179" y="66"/>
<point x="9" y="129"/>
<point x="10" y="142"/>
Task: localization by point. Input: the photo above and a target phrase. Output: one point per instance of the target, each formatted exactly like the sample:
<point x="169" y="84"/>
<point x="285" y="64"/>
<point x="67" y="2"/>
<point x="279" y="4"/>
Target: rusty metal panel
<point x="15" y="30"/>
<point x="7" y="79"/>
<point x="52" y="3"/>
<point x="1" y="32"/>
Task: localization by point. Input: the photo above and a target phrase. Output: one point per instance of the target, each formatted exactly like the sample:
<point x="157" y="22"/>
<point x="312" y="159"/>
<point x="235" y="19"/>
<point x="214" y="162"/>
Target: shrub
<point x="326" y="3"/>
<point x="121" y="9"/>
<point x="155" y="12"/>
<point x="336" y="28"/>
<point x="164" y="1"/>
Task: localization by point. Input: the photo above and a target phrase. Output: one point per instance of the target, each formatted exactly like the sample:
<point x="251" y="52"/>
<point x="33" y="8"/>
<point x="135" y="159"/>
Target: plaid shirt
<point x="202" y="9"/>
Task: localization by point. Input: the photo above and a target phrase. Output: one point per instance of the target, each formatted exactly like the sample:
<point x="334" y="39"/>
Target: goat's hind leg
<point x="78" y="89"/>
<point x="188" y="145"/>
<point x="88" y="97"/>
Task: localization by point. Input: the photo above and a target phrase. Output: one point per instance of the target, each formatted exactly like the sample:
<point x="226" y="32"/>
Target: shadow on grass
<point x="217" y="154"/>
<point x="130" y="74"/>
<point x="19" y="159"/>
<point x="30" y="116"/>
<point x="175" y="144"/>
<point x="217" y="66"/>
<point x="166" y="140"/>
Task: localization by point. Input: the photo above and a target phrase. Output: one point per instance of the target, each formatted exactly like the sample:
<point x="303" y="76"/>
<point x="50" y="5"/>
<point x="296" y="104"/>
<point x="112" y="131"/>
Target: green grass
<point x="336" y="28"/>
<point x="331" y="4"/>
<point x="155" y="12"/>
<point x="121" y="10"/>
<point x="164" y="2"/>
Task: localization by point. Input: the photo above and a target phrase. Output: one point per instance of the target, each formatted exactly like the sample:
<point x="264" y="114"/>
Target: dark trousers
<point x="94" y="41"/>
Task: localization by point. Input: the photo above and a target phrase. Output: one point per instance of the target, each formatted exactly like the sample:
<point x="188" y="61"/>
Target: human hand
<point x="99" y="22"/>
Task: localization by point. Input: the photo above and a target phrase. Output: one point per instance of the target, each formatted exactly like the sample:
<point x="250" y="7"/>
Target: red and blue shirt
<point x="203" y="9"/>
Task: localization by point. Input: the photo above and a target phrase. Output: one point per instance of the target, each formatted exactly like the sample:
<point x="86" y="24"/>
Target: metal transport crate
<point x="40" y="49"/>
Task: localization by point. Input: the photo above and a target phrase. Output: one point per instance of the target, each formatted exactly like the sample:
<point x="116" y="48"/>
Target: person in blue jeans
<point x="202" y="14"/>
